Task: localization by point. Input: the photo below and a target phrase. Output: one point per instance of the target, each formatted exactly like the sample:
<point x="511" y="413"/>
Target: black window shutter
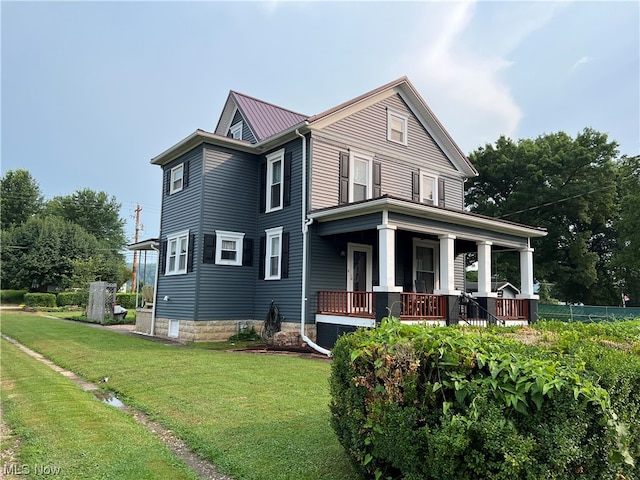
<point x="288" y="160"/>
<point x="441" y="192"/>
<point x="343" y="191"/>
<point x="416" y="186"/>
<point x="284" y="261"/>
<point x="162" y="257"/>
<point x="185" y="174"/>
<point x="263" y="250"/>
<point x="209" y="249"/>
<point x="247" y="252"/>
<point x="167" y="181"/>
<point x="377" y="179"/>
<point x="263" y="187"/>
<point x="191" y="247"/>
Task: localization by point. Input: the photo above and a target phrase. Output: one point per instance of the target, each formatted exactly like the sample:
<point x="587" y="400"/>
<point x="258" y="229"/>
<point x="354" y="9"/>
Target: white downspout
<point x="305" y="233"/>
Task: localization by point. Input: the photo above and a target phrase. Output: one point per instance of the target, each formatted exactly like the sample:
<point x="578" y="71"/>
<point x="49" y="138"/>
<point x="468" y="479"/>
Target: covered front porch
<point x="390" y="256"/>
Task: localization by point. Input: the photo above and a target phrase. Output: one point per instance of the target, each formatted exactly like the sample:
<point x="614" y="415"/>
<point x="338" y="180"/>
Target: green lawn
<point x="69" y="433"/>
<point x="254" y="416"/>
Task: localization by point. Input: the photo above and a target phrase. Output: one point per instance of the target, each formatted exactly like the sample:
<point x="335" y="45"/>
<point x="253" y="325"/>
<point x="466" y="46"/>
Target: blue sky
<point x="92" y="91"/>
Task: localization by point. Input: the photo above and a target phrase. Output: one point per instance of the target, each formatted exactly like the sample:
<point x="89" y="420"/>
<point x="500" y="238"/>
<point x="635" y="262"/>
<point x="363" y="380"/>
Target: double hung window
<point x="361" y="179"/>
<point x="275" y="191"/>
<point x="396" y="127"/>
<point x="177" y="179"/>
<point x="177" y="253"/>
<point x="273" y="254"/>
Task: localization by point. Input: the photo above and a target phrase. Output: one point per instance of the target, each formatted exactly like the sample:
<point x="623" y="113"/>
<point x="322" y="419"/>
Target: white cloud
<point x="459" y="61"/>
<point x="581" y="61"/>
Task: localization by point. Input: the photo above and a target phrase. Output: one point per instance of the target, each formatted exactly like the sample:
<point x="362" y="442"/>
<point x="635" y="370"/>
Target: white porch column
<point x="484" y="269"/>
<point x="387" y="259"/>
<point x="447" y="268"/>
<point x="526" y="274"/>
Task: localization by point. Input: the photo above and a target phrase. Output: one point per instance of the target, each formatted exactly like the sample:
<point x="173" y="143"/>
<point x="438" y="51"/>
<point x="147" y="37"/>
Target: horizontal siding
<point x="286" y="292"/>
<point x="367" y="130"/>
<point x="229" y="203"/>
<point x="181" y="211"/>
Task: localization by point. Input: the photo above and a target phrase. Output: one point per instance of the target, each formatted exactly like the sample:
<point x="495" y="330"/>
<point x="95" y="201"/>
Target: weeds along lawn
<point x="69" y="434"/>
<point x="253" y="416"/>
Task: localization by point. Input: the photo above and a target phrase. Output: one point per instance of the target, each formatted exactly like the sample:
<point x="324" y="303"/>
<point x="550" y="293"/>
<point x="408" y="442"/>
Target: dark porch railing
<point x="512" y="308"/>
<point x="423" y="306"/>
<point x="349" y="304"/>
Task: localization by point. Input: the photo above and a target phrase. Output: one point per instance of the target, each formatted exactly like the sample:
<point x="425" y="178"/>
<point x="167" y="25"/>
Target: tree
<point x="51" y="251"/>
<point x="20" y="198"/>
<point x="565" y="185"/>
<point x="626" y="258"/>
<point x="96" y="212"/>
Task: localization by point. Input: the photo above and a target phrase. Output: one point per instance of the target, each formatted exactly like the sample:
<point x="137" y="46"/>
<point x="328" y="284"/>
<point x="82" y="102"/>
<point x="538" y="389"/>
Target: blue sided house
<point x="338" y="219"/>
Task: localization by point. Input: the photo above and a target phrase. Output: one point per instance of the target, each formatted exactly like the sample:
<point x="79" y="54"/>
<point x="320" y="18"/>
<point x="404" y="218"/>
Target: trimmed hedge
<point x="416" y="402"/>
<point x="127" y="300"/>
<point x="79" y="297"/>
<point x="12" y="297"/>
<point x="40" y="300"/>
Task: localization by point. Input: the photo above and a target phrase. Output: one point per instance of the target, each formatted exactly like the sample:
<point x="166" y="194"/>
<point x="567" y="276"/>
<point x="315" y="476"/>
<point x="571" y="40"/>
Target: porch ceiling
<point x="420" y="217"/>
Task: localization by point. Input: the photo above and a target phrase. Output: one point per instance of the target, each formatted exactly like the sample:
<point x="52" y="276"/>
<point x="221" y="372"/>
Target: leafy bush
<point x="127" y="300"/>
<point x="439" y="403"/>
<point x="40" y="299"/>
<point x="245" y="335"/>
<point x="78" y="297"/>
<point x="12" y="297"/>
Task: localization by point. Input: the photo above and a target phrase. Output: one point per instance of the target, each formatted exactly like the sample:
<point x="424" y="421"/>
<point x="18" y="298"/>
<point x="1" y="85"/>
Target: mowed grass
<point x="67" y="433"/>
<point x="254" y="416"/>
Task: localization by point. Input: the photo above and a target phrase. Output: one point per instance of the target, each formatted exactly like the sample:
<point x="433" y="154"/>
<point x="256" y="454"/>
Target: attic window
<point x="396" y="127"/>
<point x="236" y="131"/>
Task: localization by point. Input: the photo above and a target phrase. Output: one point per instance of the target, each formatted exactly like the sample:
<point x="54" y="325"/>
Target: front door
<point x="359" y="277"/>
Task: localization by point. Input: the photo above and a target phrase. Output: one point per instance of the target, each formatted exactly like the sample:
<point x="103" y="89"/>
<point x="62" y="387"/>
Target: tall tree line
<point x="584" y="194"/>
<point x="67" y="241"/>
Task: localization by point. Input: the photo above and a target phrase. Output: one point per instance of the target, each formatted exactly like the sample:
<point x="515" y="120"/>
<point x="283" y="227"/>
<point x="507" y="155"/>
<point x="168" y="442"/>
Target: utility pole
<point x="134" y="284"/>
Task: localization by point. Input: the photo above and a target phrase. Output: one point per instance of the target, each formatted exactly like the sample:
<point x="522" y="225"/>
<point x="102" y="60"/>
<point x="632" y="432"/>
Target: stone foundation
<point x="220" y="330"/>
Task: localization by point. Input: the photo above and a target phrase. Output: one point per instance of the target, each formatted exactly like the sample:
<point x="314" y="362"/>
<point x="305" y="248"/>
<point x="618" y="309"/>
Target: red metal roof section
<point x="265" y="119"/>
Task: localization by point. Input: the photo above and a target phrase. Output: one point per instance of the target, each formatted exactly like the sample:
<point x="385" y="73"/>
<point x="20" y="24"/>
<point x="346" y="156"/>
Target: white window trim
<point x="174" y="170"/>
<point x="405" y="126"/>
<point x="436" y="260"/>
<point x="232" y="236"/>
<point x="236" y="130"/>
<point x="424" y="174"/>
<point x="353" y="155"/>
<point x="271" y="159"/>
<point x="176" y="237"/>
<point x="272" y="233"/>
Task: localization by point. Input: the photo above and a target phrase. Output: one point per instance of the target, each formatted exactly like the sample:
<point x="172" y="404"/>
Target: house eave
<point x="397" y="205"/>
<point x="200" y="136"/>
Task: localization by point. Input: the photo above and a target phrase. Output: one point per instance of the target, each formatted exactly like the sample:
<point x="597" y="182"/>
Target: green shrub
<point x="40" y="300"/>
<point x="12" y="297"/>
<point x="127" y="300"/>
<point x="439" y="403"/>
<point x="78" y="297"/>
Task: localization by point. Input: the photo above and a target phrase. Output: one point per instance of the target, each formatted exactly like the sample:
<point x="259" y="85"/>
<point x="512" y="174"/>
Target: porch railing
<point x="349" y="304"/>
<point x="512" y="308"/>
<point x="423" y="306"/>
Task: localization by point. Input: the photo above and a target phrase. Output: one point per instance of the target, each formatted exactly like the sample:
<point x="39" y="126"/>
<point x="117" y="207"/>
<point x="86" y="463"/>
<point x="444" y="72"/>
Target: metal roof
<point x="265" y="119"/>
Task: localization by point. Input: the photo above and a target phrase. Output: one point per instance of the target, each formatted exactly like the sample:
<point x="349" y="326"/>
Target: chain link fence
<point x="586" y="313"/>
